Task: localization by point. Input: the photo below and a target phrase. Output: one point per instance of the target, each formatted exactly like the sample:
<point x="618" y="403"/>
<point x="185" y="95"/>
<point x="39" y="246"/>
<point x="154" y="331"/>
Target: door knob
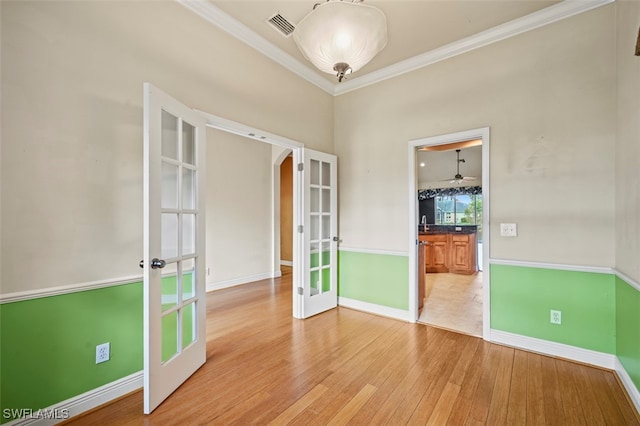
<point x="155" y="263"/>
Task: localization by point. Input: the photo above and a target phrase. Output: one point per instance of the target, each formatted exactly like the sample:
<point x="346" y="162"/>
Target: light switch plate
<point x="508" y="230"/>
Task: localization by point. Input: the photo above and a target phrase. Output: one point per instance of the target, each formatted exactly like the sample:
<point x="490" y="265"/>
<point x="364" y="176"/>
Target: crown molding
<point x="549" y="15"/>
<point x="220" y="19"/>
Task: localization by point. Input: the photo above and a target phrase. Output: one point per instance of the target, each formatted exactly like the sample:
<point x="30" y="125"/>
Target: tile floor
<point x="454" y="302"/>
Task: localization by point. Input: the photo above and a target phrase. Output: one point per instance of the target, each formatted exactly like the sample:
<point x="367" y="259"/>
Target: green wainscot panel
<point x="48" y="345"/>
<point x="380" y="279"/>
<point x="522" y="298"/>
<point x="628" y="329"/>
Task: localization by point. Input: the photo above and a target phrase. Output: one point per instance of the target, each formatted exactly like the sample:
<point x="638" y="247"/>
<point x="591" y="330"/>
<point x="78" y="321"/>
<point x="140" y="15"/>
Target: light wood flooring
<point x="349" y="367"/>
<point x="454" y="302"/>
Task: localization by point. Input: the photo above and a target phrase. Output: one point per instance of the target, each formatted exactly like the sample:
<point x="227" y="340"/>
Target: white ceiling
<point x="440" y="167"/>
<point x="420" y="32"/>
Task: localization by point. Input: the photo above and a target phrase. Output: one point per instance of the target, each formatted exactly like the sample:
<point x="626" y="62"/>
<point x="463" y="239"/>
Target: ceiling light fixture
<point x="340" y="37"/>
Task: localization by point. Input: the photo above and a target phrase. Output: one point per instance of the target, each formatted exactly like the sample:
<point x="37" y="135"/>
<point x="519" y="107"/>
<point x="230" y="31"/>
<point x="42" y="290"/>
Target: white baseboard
<point x="286" y="262"/>
<point x="631" y="388"/>
<point x="372" y="308"/>
<point x="238" y="281"/>
<point x="83" y="402"/>
<point x="560" y="350"/>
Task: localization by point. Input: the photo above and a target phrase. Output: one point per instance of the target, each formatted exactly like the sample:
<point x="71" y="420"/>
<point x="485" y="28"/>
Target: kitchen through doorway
<point x="450" y="228"/>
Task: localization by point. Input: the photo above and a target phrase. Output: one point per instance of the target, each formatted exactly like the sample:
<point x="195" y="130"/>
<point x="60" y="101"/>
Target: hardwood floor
<point x="349" y="367"/>
<point x="454" y="302"/>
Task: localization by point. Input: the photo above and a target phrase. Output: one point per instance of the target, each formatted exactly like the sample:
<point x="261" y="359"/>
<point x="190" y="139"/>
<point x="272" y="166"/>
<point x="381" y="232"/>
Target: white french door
<point x="319" y="277"/>
<point x="174" y="256"/>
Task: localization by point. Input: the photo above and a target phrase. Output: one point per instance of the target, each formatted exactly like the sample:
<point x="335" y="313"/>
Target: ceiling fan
<point x="458" y="178"/>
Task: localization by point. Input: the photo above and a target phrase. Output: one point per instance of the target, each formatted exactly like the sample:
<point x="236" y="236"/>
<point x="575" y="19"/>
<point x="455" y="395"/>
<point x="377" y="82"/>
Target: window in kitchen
<point x="459" y="209"/>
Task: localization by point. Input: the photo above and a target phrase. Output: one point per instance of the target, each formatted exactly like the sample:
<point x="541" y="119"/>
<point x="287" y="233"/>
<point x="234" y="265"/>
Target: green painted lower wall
<point x="628" y="329"/>
<point x="522" y="297"/>
<point x="380" y="279"/>
<point x="48" y="345"/>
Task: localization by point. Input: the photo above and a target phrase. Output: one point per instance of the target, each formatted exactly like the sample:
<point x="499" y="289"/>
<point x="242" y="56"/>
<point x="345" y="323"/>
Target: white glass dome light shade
<point x="341" y="32"/>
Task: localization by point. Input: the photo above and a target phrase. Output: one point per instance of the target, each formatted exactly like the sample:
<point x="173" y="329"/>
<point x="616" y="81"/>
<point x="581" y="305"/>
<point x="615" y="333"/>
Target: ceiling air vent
<point x="281" y="24"/>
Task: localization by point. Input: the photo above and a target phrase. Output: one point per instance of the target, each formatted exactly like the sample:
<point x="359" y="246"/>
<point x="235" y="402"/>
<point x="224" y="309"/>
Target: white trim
<point x="546" y="16"/>
<point x="373" y="251"/>
<point x="560" y="350"/>
<point x="87" y="401"/>
<point x="626" y="278"/>
<point x="230" y="126"/>
<point x="220" y="19"/>
<point x="239" y="281"/>
<point x="483" y="133"/>
<point x="557" y="266"/>
<point x="286" y="262"/>
<point x="372" y="308"/>
<point x="628" y="384"/>
<point x="66" y="289"/>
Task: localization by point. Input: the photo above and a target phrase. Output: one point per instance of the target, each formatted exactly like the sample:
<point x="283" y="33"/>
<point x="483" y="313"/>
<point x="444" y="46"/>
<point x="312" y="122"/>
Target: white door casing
<point x="174" y="246"/>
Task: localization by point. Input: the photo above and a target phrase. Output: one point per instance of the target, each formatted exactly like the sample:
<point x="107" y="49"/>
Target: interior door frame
<point x="480" y="133"/>
<point x="234" y="127"/>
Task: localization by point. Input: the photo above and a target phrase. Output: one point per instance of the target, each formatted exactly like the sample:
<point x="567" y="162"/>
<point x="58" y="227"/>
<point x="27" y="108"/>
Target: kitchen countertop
<point x="447" y="229"/>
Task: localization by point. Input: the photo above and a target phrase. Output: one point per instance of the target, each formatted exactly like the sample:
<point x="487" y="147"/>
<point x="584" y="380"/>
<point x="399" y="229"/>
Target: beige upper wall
<point x="71" y="159"/>
<point x="238" y="207"/>
<point x="549" y="98"/>
<point x="628" y="146"/>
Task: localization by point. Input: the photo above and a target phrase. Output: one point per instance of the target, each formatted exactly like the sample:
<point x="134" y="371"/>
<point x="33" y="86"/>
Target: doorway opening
<point x="314" y="217"/>
<point x="279" y="149"/>
<point x="449" y="194"/>
<point x="283" y="209"/>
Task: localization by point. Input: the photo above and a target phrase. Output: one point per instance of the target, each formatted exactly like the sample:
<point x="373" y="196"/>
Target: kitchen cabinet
<point x="422" y="247"/>
<point x="463" y="254"/>
<point x="436" y="253"/>
<point x="455" y="253"/>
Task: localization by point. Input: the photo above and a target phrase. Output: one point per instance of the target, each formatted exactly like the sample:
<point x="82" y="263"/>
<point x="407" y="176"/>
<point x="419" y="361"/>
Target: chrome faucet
<point x="423" y="223"/>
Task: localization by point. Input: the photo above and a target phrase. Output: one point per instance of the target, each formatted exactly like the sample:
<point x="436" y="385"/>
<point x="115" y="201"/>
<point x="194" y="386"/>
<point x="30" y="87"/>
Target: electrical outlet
<point x="102" y="353"/>
<point x="556" y="317"/>
<point x="508" y="230"/>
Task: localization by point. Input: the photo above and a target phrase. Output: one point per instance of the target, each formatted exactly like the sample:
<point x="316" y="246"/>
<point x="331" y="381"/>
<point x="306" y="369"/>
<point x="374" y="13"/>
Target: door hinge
<point x="300" y="167"/>
<point x="300" y="229"/>
<point x="300" y="291"/>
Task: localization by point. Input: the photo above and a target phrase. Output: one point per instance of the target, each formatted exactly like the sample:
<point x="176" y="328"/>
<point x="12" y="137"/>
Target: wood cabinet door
<point x="437" y="254"/>
<point x="460" y="253"/>
<point x="463" y="254"/>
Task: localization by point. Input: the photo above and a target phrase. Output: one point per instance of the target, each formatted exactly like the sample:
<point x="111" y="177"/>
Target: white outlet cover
<point x="102" y="353"/>
<point x="556" y="317"/>
<point x="508" y="230"/>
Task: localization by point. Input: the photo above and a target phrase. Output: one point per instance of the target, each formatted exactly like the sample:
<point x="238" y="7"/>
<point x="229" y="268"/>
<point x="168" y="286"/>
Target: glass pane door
<point x="174" y="287"/>
<point x="320" y="191"/>
<point x="178" y="235"/>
